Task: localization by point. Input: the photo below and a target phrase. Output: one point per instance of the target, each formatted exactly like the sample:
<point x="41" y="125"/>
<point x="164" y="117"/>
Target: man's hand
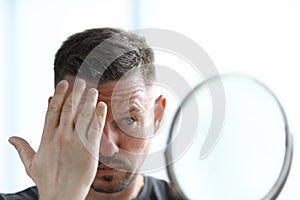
<point x="65" y="164"/>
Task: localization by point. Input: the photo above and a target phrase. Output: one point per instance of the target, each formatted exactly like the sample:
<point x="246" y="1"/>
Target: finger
<point x="71" y="104"/>
<point x="77" y="94"/>
<point x="55" y="105"/>
<point x="25" y="152"/>
<point x="54" y="108"/>
<point x="85" y="115"/>
<point x="97" y="125"/>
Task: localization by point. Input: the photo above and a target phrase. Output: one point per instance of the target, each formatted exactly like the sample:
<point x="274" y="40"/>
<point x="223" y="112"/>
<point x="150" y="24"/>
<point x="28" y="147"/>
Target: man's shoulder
<point x="156" y="189"/>
<point x="28" y="194"/>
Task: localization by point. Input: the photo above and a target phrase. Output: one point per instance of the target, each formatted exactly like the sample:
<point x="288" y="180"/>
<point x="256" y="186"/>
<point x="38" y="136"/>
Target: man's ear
<point x="159" y="108"/>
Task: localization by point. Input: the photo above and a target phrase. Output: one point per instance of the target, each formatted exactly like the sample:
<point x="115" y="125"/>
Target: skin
<point x="95" y="139"/>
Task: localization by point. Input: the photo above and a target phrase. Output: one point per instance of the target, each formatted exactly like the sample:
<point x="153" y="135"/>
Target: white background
<point x="257" y="37"/>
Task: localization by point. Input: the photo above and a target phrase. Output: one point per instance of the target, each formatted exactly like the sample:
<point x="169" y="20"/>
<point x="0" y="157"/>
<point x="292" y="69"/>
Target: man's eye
<point x="129" y="120"/>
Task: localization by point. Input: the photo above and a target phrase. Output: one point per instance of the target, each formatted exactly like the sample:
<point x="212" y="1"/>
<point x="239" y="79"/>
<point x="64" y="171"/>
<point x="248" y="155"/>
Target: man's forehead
<point x="121" y="96"/>
<point x="128" y="87"/>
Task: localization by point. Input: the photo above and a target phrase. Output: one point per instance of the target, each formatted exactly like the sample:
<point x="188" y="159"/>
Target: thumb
<point x="25" y="151"/>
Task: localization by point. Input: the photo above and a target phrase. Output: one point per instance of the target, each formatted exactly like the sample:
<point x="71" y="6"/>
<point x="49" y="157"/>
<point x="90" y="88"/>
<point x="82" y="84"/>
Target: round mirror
<point x="247" y="157"/>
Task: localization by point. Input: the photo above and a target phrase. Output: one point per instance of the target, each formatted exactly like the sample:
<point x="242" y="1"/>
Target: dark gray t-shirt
<point x="154" y="189"/>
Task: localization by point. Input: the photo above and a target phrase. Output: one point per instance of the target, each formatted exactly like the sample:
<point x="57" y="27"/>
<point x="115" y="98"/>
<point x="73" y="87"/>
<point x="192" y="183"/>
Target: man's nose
<point x="109" y="141"/>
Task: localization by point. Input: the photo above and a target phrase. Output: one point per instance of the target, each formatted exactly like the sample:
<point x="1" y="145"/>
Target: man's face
<point x="131" y="120"/>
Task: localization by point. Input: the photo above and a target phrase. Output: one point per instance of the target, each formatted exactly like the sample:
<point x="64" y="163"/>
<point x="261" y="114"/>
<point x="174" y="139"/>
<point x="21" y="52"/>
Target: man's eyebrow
<point x="132" y="109"/>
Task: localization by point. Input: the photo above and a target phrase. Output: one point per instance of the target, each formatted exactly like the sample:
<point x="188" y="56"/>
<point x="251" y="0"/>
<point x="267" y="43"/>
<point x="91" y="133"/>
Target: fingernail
<point x="101" y="108"/>
<point x="11" y="141"/>
<point x="62" y="83"/>
<point x="49" y="99"/>
<point x="79" y="82"/>
<point x="93" y="91"/>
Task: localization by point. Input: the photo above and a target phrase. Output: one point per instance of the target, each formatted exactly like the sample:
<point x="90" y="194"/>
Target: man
<point x="99" y="122"/>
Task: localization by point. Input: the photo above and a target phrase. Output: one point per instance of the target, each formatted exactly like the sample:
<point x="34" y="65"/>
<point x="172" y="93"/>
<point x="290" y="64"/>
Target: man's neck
<point x="131" y="192"/>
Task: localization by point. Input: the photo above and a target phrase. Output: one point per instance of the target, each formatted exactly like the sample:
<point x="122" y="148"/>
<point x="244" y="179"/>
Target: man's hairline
<point x="147" y="85"/>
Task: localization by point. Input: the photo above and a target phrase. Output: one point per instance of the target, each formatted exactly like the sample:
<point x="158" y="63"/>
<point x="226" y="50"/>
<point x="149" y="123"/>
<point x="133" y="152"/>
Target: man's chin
<point x="112" y="181"/>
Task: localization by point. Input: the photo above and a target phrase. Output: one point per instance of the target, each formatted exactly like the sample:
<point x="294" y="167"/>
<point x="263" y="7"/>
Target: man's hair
<point x="104" y="54"/>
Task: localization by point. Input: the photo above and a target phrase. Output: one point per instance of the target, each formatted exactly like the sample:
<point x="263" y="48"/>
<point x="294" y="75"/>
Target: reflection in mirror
<point x="252" y="155"/>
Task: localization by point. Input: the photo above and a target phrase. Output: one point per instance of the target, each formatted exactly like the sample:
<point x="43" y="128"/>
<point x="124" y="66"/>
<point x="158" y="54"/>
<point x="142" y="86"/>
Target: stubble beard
<point x="113" y="183"/>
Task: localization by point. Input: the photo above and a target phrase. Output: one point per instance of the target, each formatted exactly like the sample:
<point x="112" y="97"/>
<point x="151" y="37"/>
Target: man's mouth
<point x="104" y="167"/>
<point x="105" y="170"/>
<point x="112" y="165"/>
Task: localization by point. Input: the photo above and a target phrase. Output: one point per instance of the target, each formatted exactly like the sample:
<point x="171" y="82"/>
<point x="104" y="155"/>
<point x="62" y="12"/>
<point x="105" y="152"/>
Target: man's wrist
<point x="64" y="195"/>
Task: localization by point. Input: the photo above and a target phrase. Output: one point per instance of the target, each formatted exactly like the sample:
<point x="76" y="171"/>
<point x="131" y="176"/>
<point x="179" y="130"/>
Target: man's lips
<point x="104" y="167"/>
<point x="105" y="170"/>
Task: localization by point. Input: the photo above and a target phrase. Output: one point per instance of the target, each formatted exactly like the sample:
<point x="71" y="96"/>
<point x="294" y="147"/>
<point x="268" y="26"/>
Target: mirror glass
<point x="248" y="157"/>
